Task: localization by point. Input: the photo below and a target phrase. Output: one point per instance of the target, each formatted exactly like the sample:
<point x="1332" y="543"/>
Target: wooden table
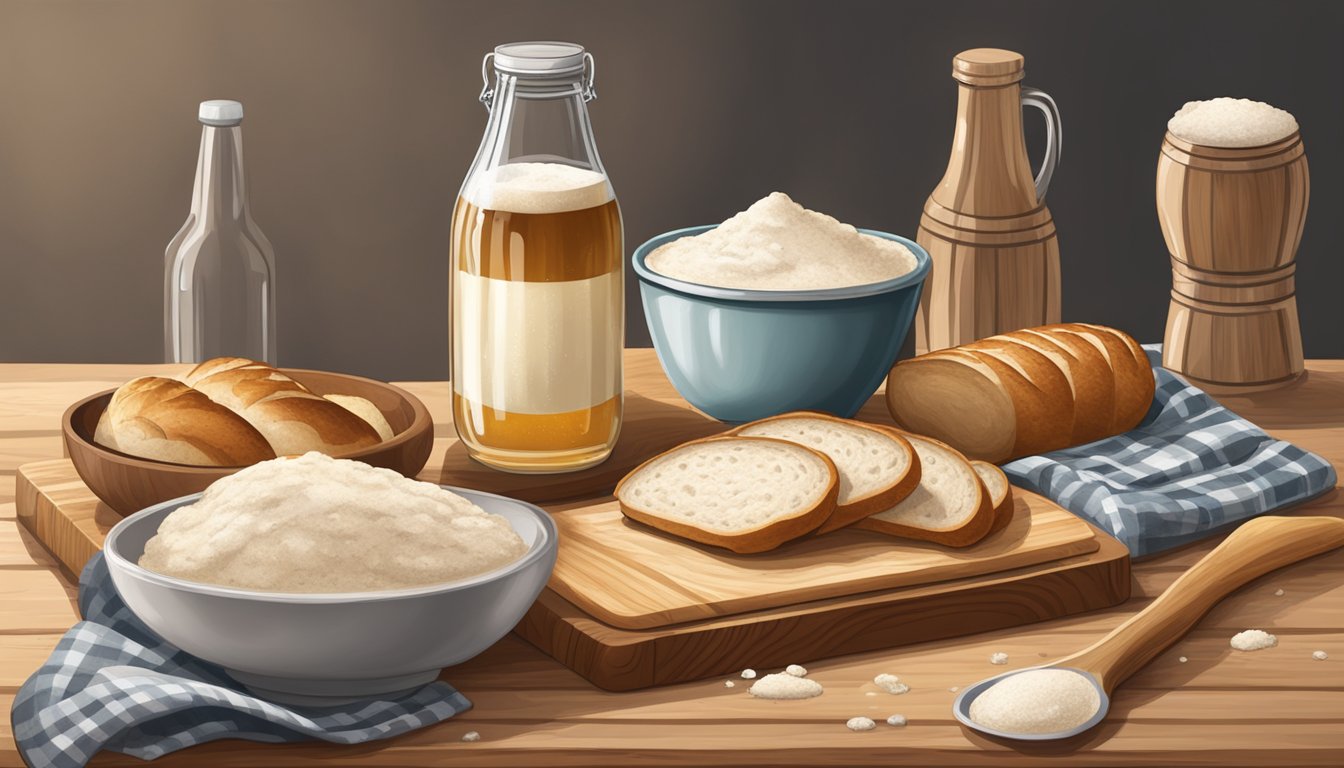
<point x="1220" y="708"/>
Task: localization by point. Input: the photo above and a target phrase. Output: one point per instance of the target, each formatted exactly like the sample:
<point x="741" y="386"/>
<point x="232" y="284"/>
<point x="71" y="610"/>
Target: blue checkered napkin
<point x="113" y="684"/>
<point x="1191" y="466"/>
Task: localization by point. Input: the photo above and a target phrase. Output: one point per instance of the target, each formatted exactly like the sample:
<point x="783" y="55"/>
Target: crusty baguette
<point x="165" y="420"/>
<point x="995" y="400"/>
<point x="877" y="467"/>
<point x="958" y="398"/>
<point x="293" y="419"/>
<point x="950" y="506"/>
<point x="366" y="410"/>
<point x="1088" y="375"/>
<point x="746" y="494"/>
<point x="1134" y="382"/>
<point x="1000" y="493"/>
<point x="1044" y="407"/>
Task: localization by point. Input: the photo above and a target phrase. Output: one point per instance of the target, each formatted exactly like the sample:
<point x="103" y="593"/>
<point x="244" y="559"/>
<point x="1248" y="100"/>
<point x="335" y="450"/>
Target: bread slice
<point x="1134" y="382"/>
<point x="950" y="506"/>
<point x="956" y="397"/>
<point x="877" y="467"/>
<point x="1000" y="493"/>
<point x="746" y="494"/>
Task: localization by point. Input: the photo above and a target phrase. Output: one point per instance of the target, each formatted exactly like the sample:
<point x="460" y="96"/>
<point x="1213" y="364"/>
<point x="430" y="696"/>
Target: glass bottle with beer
<point x="537" y="280"/>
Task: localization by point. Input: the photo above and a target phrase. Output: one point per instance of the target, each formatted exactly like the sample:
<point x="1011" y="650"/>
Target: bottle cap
<point x="545" y="59"/>
<point x="987" y="66"/>
<point x="220" y="112"/>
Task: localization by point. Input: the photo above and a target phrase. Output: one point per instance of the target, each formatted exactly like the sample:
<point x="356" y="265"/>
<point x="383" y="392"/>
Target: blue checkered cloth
<point x="113" y="684"/>
<point x="1191" y="466"/>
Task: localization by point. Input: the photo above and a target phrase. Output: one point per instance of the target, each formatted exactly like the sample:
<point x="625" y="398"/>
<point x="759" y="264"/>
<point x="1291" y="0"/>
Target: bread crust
<point x="293" y="419"/>
<point x="975" y="528"/>
<point x="1041" y="394"/>
<point x="1135" y="385"/>
<point x="846" y="514"/>
<point x="165" y="420"/>
<point x="1003" y="507"/>
<point x="760" y="539"/>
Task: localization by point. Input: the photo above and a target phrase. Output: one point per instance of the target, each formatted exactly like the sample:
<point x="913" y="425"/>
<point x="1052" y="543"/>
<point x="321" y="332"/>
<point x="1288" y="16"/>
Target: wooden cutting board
<point x="632" y="576"/>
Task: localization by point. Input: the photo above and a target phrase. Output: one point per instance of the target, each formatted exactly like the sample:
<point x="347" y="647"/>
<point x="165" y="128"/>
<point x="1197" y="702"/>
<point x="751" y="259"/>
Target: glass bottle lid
<point x="545" y="58"/>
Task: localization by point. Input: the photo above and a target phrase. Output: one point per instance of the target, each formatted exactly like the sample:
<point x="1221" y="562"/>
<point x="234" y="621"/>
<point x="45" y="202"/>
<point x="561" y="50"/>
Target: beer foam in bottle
<point x="539" y="188"/>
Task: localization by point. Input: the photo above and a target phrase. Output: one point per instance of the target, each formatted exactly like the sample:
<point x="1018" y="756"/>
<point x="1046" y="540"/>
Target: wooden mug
<point x="1232" y="219"/>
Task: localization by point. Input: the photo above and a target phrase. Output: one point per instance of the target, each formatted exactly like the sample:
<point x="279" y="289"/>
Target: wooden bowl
<point x="129" y="484"/>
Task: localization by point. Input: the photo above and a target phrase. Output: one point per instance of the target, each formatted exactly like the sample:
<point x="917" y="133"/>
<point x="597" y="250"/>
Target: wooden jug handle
<point x="1054" y="137"/>
<point x="1256" y="548"/>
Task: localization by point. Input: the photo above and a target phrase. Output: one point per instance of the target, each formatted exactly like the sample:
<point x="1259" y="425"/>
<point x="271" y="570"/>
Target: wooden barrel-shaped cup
<point x="1232" y="219"/>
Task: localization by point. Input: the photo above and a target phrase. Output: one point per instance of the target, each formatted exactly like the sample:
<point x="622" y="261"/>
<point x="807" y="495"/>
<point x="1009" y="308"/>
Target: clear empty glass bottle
<point x="219" y="280"/>
<point x="537" y="282"/>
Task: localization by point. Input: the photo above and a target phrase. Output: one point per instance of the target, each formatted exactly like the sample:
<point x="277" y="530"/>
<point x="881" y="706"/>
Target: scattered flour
<point x="1320" y="655"/>
<point x="748" y="674"/>
<point x="728" y="683"/>
<point x="778" y="245"/>
<point x="998" y="658"/>
<point x="1253" y="640"/>
<point x="1037" y="701"/>
<point x="1278" y="593"/>
<point x="314" y="524"/>
<point x="1183" y="659"/>
<point x="1225" y="122"/>
<point x="782" y="685"/>
<point x="471" y="736"/>
<point x="891" y="684"/>
<point x="897" y="720"/>
<point x="860" y="724"/>
<point x="796" y="671"/>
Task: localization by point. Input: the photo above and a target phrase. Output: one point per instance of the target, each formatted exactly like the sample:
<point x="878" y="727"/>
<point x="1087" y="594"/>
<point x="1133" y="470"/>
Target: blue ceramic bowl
<point x="740" y="355"/>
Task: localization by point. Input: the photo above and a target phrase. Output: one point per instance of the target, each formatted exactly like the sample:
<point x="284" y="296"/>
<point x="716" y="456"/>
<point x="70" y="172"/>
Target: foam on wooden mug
<point x="1225" y="122"/>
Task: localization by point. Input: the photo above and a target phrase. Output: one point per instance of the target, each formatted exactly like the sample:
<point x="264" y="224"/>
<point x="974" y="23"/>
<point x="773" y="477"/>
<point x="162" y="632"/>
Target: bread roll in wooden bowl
<point x="128" y="484"/>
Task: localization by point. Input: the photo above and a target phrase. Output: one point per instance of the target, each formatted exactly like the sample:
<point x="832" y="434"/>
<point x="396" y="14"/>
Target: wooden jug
<point x="1232" y="219"/>
<point x="991" y="239"/>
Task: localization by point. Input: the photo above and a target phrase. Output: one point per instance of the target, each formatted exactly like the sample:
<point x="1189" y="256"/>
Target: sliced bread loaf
<point x="877" y="467"/>
<point x="746" y="494"/>
<point x="930" y="395"/>
<point x="1000" y="493"/>
<point x="950" y="506"/>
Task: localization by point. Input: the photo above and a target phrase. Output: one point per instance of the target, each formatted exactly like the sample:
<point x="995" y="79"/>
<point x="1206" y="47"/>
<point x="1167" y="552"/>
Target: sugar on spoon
<point x="1071" y="695"/>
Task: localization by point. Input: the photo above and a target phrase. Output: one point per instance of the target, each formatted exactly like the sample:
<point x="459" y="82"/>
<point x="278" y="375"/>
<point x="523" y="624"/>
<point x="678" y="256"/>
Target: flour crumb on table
<point x="1320" y="655"/>
<point x="954" y="689"/>
<point x="999" y="658"/>
<point x="782" y="685"/>
<point x="748" y="674"/>
<point x="471" y="736"/>
<point x="860" y="724"/>
<point x="728" y="683"/>
<point x="1278" y="593"/>
<point x="870" y="693"/>
<point x="896" y="720"/>
<point x="796" y="671"/>
<point x="891" y="684"/>
<point x="1183" y="659"/>
<point x="1253" y="640"/>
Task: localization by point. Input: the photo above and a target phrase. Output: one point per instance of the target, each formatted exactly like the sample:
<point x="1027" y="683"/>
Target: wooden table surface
<point x="1278" y="707"/>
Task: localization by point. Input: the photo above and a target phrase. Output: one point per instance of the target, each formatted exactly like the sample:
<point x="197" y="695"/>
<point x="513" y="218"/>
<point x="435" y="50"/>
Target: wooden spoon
<point x="1256" y="548"/>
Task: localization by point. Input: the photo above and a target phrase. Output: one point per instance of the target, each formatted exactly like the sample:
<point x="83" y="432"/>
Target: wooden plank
<point x="633" y="577"/>
<point x="18" y="547"/>
<point x="35" y="601"/>
<point x="20" y="655"/>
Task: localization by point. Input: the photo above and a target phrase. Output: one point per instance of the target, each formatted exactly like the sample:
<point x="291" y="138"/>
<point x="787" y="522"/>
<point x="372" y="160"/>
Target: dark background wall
<point x="362" y="120"/>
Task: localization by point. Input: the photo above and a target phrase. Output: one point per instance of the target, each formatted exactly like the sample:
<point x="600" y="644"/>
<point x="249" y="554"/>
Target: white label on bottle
<point x="535" y="347"/>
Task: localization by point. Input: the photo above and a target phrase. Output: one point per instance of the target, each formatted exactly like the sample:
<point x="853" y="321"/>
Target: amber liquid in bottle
<point x="538" y="313"/>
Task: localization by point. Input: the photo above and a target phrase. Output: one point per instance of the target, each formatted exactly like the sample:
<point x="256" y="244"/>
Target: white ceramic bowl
<point x="328" y="649"/>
